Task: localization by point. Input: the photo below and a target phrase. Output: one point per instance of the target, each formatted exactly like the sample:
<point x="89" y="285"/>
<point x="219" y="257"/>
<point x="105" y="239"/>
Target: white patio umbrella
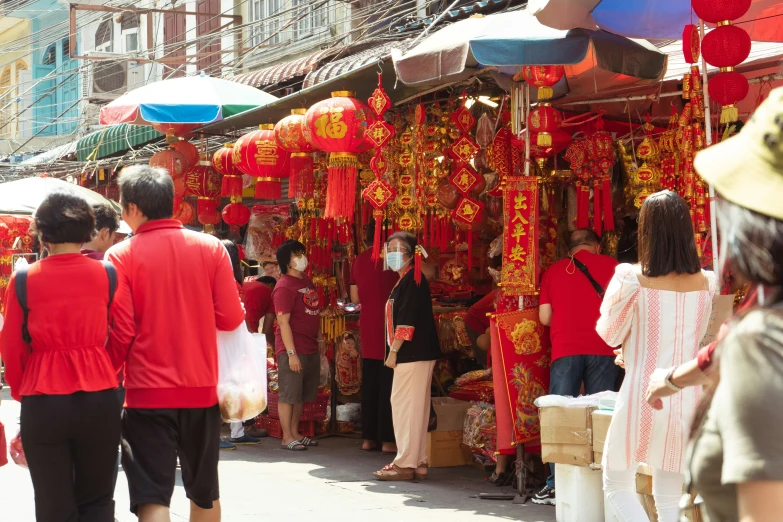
<point x="23" y="196"/>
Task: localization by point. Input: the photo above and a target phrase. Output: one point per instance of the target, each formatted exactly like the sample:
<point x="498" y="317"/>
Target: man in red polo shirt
<point x="571" y="294"/>
<point x="175" y="290"/>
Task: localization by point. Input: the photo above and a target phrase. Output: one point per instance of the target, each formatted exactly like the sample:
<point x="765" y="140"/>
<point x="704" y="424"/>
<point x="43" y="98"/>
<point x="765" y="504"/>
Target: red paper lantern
<point x="726" y="46"/>
<point x="338" y="126"/>
<point x="174" y="163"/>
<point x="543" y="122"/>
<point x="544" y="77"/>
<point x="289" y="133"/>
<point x="223" y="162"/>
<point x="185" y="212"/>
<point x="715" y="11"/>
<point x="728" y="88"/>
<point x="204" y="182"/>
<point x="188" y="150"/>
<point x="257" y="154"/>
<point x="175" y="130"/>
<point x="236" y="214"/>
<point x="691" y="43"/>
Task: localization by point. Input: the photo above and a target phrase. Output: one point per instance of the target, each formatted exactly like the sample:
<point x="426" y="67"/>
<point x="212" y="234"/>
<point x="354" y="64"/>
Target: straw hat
<point x="747" y="169"/>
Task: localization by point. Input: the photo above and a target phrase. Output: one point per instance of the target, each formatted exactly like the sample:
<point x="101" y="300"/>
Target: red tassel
<point x="302" y="182"/>
<point x="340" y="191"/>
<point x="268" y="188"/>
<point x="231" y="187"/>
<point x="417" y="266"/>
<point x="582" y="207"/>
<point x="606" y="192"/>
<point x="597" y="209"/>
<point x="376" y="242"/>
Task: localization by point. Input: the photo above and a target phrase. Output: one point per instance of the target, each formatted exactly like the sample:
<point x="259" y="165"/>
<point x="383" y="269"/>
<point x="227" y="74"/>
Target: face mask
<point x="300" y="263"/>
<point x="395" y="260"/>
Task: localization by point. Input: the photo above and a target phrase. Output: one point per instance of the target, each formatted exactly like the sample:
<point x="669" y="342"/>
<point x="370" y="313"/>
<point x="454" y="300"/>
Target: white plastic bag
<point x="326" y="374"/>
<point x="242" y="375"/>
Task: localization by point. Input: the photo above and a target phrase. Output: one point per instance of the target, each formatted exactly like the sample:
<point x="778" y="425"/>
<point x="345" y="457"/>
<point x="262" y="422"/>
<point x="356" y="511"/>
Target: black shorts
<point x="298" y="388"/>
<point x="151" y="442"/>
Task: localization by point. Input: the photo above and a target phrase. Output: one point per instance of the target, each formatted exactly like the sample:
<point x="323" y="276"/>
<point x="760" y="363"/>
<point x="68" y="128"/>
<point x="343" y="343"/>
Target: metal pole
<point x="708" y="140"/>
<point x="525" y="114"/>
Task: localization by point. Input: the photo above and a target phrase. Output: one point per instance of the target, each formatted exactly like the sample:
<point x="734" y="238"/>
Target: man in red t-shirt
<point x="371" y="286"/>
<point x="257" y="297"/>
<point x="297" y="340"/>
<point x="570" y="304"/>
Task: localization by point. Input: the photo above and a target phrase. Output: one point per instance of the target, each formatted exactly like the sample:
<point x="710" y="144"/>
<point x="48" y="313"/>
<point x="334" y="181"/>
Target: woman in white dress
<point x="658" y="311"/>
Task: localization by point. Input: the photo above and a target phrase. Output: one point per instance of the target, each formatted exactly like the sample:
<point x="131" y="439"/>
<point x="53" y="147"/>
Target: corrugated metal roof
<point x="51" y="155"/>
<point x="113" y="139"/>
<point x="355" y="61"/>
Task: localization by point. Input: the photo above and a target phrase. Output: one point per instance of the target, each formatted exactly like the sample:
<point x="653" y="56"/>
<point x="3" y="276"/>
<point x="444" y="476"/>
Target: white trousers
<point x="237" y="430"/>
<point x="410" y="401"/>
<point x="620" y="495"/>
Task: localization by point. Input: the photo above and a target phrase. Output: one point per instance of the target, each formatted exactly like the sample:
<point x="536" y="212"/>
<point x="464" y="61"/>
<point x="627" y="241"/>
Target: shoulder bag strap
<point x="583" y="268"/>
<point x="111" y="273"/>
<point x="20" y="286"/>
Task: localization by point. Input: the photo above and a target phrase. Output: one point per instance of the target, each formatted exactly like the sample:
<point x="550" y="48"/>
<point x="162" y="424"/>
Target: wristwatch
<point x="668" y="380"/>
<point x="291" y="353"/>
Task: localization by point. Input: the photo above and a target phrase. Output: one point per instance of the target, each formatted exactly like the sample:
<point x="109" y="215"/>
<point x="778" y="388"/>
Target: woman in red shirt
<point x="62" y="374"/>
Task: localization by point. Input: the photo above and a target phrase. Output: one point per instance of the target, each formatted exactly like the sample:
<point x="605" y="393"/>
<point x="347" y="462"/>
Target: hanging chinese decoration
<point x="257" y="154"/>
<point x="499" y="157"/>
<point x="648" y="175"/>
<point x="725" y="47"/>
<point x="338" y="126"/>
<point x="174" y="163"/>
<point x="520" y="235"/>
<point x="173" y="131"/>
<point x="204" y="182"/>
<point x="600" y="151"/>
<point x="236" y="215"/>
<point x="379" y="193"/>
<point x="543" y="77"/>
<point x="188" y="151"/>
<point x="185" y="212"/>
<point x="223" y="162"/>
<point x="289" y="133"/>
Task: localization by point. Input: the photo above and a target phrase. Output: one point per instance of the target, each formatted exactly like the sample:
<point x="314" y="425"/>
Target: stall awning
<point x="51" y="155"/>
<point x="355" y="61"/>
<point x="761" y="53"/>
<point x="302" y="66"/>
<point x="113" y="139"/>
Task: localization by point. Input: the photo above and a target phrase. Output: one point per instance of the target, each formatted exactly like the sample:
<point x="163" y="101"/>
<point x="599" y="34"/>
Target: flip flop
<point x="307" y="441"/>
<point x="294" y="445"/>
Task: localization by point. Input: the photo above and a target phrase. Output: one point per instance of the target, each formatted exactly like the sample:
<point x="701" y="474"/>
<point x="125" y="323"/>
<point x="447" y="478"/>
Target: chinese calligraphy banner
<point x="521" y="358"/>
<point x="520" y="236"/>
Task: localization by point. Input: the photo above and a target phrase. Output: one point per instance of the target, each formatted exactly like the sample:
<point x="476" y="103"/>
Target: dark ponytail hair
<point x="233" y="253"/>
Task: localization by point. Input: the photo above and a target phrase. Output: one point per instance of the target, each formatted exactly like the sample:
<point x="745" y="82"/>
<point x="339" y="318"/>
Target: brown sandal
<point x="420" y="473"/>
<point x="392" y="472"/>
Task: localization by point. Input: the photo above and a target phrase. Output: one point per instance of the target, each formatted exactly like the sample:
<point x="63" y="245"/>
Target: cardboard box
<point x="445" y="449"/>
<point x="567" y="435"/>
<point x="450" y="412"/>
<point x="601" y="421"/>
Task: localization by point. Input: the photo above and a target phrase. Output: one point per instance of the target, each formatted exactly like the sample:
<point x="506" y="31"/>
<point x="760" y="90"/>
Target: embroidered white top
<point x="658" y="329"/>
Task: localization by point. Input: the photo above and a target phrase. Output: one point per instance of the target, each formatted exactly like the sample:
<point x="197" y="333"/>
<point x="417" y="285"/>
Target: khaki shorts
<point x="298" y="388"/>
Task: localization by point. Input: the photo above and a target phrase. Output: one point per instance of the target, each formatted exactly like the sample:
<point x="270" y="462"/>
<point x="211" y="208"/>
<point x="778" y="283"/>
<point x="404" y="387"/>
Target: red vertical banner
<point x="525" y="354"/>
<point x="520" y="236"/>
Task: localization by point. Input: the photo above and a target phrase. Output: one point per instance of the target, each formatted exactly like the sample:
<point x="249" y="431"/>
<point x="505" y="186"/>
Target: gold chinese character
<point x="517" y="253"/>
<point x="330" y="124"/>
<point x="519" y="231"/>
<point x="519" y="217"/>
<point x="519" y="201"/>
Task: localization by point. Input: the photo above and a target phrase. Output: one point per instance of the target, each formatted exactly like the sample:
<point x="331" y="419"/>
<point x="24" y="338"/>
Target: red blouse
<point x="67" y="296"/>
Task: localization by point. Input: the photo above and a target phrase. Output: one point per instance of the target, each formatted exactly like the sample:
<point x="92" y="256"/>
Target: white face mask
<point x="395" y="261"/>
<point x="300" y="263"/>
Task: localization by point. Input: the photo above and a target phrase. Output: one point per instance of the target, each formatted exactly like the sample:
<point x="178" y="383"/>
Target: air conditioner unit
<point x="105" y="80"/>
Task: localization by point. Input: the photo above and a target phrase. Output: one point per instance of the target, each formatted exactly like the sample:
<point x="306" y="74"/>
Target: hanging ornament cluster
<point x="205" y="182"/>
<point x="592" y="160"/>
<point x="290" y="135"/>
<point x="338" y="126"/>
<point x="543" y="123"/>
<point x="176" y="131"/>
<point x="543" y="77"/>
<point x="176" y="165"/>
<point x="258" y="154"/>
<point x="725" y="47"/>
<point x="379" y="193"/>
<point x="223" y="162"/>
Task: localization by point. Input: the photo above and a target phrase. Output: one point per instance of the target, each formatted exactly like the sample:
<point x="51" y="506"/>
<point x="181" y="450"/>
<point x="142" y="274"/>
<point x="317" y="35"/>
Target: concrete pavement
<point x="331" y="483"/>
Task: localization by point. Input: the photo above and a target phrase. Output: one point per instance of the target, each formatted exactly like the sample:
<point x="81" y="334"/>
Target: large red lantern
<point x="236" y="215"/>
<point x="257" y="154"/>
<point x="338" y="126"/>
<point x="188" y="150"/>
<point x="543" y="122"/>
<point x="289" y="133"/>
<point x="726" y="46"/>
<point x="223" y="162"/>
<point x="544" y="77"/>
<point x="175" y="130"/>
<point x="204" y="182"/>
<point x="716" y="11"/>
<point x="171" y="160"/>
<point x="727" y="88"/>
<point x="184" y="212"/>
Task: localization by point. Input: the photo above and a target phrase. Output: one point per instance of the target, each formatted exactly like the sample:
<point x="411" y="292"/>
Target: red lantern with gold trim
<point x="543" y="122"/>
<point x="184" y="212"/>
<point x="204" y="182"/>
<point x="236" y="215"/>
<point x="543" y="77"/>
<point x="175" y="130"/>
<point x="727" y="88"/>
<point x="726" y="46"/>
<point x="338" y="126"/>
<point x="223" y="162"/>
<point x="289" y="133"/>
<point x="257" y="154"/>
<point x="188" y="150"/>
<point x="715" y="11"/>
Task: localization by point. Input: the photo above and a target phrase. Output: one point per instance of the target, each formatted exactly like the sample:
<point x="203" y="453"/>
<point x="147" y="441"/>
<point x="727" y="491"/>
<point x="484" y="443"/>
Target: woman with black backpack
<point x="53" y="346"/>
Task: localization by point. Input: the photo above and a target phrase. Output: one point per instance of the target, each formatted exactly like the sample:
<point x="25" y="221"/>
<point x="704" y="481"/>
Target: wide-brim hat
<point x="747" y="169"/>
